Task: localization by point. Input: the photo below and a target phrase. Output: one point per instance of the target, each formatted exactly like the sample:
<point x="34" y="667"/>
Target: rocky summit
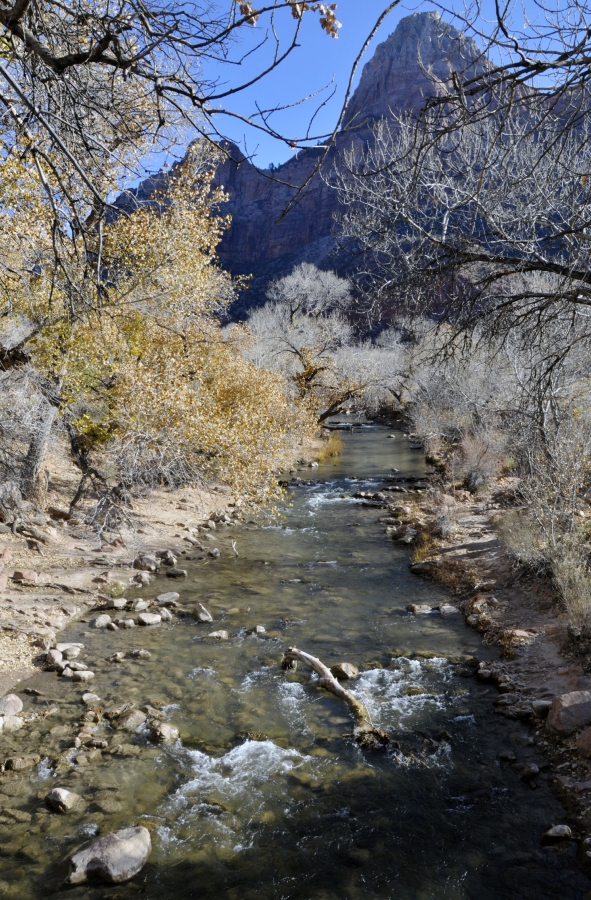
<point x="415" y="62"/>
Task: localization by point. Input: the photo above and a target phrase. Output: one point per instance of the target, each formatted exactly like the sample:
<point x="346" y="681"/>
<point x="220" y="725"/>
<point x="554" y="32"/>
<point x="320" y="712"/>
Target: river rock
<point x="167" y="557"/>
<point x="140" y="654"/>
<point x="54" y="658"/>
<point x="556" y="833"/>
<point x="166" y="615"/>
<point x="131" y="720"/>
<point x="446" y="609"/>
<point x="163" y="732"/>
<point x="528" y="772"/>
<point x="101" y="621"/>
<point x="219" y="635"/>
<point x="258" y="629"/>
<point x="11" y="723"/>
<point x="344" y="670"/>
<point x="541" y="708"/>
<point x="215" y="553"/>
<point x="570" y="712"/>
<point x="146" y="563"/>
<point x="139" y="605"/>
<point x="117" y="603"/>
<point x="67" y="647"/>
<point x="61" y="800"/>
<point x="142" y="578"/>
<point x="425" y="567"/>
<point x="17" y="763"/>
<point x="176" y="573"/>
<point x="584" y="743"/>
<point x="71" y="652"/>
<point x="419" y="609"/>
<point x="90" y="699"/>
<point x="170" y="598"/>
<point x="114" y="858"/>
<point x="10" y="705"/>
<point x="146" y="618"/>
<point x="202" y="614"/>
<point x="85" y="675"/>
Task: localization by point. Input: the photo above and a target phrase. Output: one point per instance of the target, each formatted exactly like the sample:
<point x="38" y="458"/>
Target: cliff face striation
<point x="415" y="62"/>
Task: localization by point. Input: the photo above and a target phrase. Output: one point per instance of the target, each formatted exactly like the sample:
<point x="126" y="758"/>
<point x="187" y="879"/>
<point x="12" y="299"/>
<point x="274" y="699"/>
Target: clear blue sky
<point x="318" y="61"/>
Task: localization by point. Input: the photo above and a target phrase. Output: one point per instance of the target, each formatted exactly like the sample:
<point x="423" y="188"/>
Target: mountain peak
<point x="414" y="62"/>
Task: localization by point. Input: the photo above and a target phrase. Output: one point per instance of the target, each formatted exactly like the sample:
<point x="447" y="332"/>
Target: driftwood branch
<point x="365" y="734"/>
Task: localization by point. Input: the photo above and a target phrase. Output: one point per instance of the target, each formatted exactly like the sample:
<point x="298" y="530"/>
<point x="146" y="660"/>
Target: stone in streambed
<point x="202" y="614"/>
<point x="69" y="648"/>
<point x="131" y="720"/>
<point x="61" y="800"/>
<point x="344" y="670"/>
<point x="556" y="833"/>
<point x="149" y="618"/>
<point x="101" y="621"/>
<point x="113" y="858"/>
<point x="529" y="772"/>
<point x="419" y="609"/>
<point x="11" y="723"/>
<point x="570" y="712"/>
<point x="170" y="598"/>
<point x="84" y="675"/>
<point x="140" y="653"/>
<point x="163" y="732"/>
<point x="90" y="699"/>
<point x="176" y="573"/>
<point x="127" y="623"/>
<point x="541" y="708"/>
<point x="219" y="635"/>
<point x="146" y="563"/>
<point x="54" y="659"/>
<point x="117" y="603"/>
<point x="166" y="615"/>
<point x="10" y="705"/>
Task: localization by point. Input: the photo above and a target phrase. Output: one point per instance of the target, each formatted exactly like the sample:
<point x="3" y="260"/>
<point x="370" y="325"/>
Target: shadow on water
<point x="300" y="812"/>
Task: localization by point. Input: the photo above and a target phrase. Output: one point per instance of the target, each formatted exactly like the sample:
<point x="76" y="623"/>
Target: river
<point x="264" y="796"/>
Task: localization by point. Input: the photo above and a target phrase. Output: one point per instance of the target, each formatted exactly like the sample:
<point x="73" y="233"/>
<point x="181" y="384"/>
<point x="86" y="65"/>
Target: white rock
<point x="63" y="647"/>
<point x="170" y="598"/>
<point x="219" y="635"/>
<point x="114" y="858"/>
<point x="61" y="800"/>
<point x="166" y="615"/>
<point x="202" y="614"/>
<point x="12" y="723"/>
<point x="85" y="675"/>
<point x="149" y="618"/>
<point x="101" y="621"/>
<point x="10" y="705"/>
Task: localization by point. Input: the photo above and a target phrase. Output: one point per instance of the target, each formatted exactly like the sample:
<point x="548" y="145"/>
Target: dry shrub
<point x="480" y="458"/>
<point x="523" y="539"/>
<point x="570" y="567"/>
<point x="333" y="447"/>
<point x="456" y="575"/>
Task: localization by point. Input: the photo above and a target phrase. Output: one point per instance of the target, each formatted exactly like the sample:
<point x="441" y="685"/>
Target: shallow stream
<point x="296" y="810"/>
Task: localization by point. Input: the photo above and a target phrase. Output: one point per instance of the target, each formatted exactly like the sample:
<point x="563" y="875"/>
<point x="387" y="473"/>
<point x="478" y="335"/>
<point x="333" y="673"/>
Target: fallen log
<point x="365" y="733"/>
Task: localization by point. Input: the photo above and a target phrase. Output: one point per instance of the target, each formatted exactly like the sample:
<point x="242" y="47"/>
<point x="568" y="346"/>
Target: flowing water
<point x="264" y="796"/>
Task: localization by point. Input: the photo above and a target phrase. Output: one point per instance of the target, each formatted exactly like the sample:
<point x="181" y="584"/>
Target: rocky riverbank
<point x="539" y="679"/>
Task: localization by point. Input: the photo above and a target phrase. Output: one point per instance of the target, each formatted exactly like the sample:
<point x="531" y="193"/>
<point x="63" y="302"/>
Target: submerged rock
<point x="176" y="573"/>
<point x="556" y="833"/>
<point x="114" y="858"/>
<point x="219" y="635"/>
<point x="419" y="609"/>
<point x="85" y="675"/>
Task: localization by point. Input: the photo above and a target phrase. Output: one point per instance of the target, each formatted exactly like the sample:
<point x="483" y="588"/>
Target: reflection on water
<point x="264" y="795"/>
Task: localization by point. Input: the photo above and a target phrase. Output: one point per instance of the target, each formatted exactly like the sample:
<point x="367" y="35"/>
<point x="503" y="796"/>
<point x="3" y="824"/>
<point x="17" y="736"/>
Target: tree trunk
<point x="33" y="486"/>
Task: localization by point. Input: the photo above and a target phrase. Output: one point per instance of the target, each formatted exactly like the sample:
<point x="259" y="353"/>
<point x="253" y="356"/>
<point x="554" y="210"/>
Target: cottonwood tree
<point x="304" y="333"/>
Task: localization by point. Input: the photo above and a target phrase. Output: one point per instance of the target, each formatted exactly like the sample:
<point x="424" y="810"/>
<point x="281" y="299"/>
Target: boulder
<point x="202" y="614"/>
<point x="61" y="800"/>
<point x="570" y="712"/>
<point x="344" y="670"/>
<point x="84" y="675"/>
<point x="10" y="705"/>
<point x="146" y="618"/>
<point x="170" y="598"/>
<point x="176" y="573"/>
<point x="113" y="858"/>
<point x="163" y="732"/>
